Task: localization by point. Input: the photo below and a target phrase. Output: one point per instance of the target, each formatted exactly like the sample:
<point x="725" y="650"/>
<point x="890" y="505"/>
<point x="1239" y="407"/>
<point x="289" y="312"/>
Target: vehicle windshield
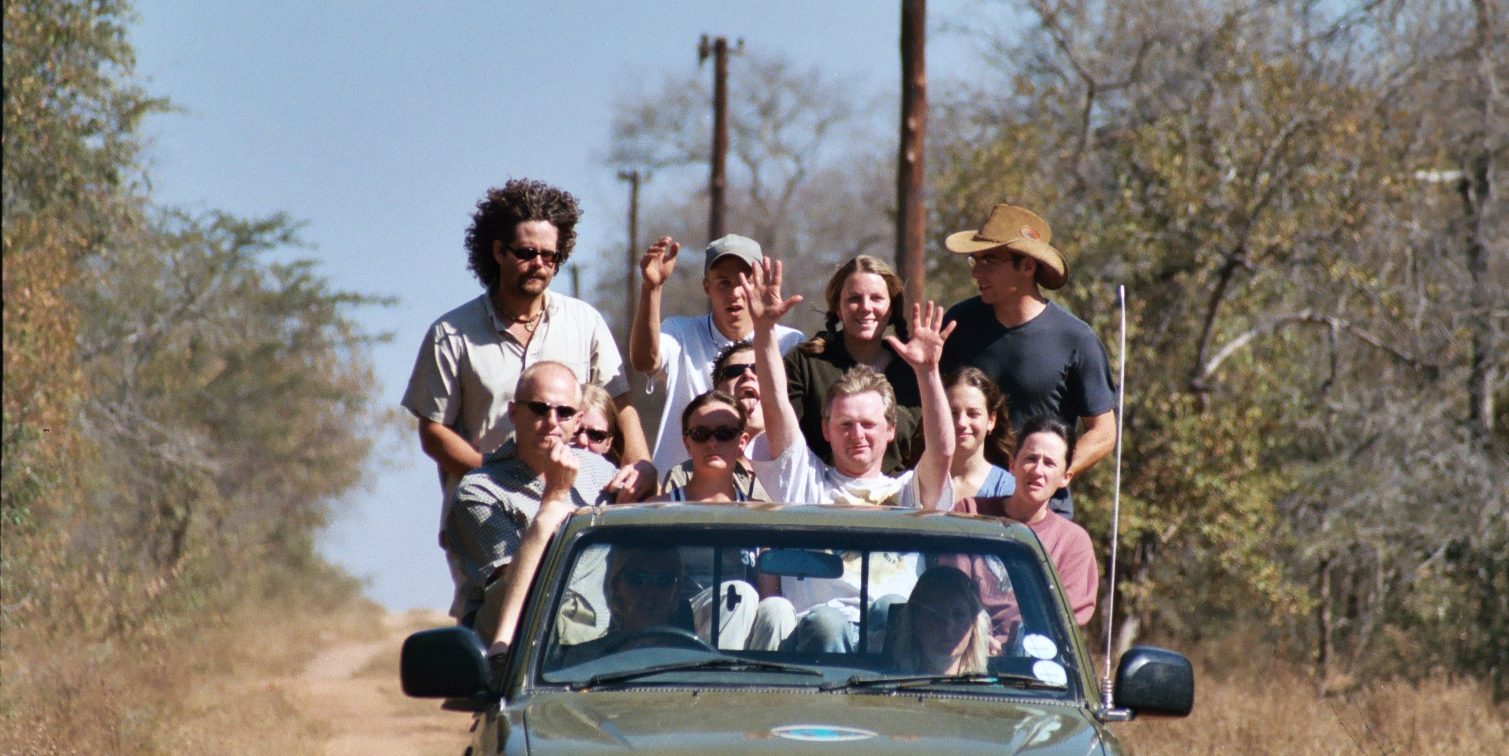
<point x="834" y="611"/>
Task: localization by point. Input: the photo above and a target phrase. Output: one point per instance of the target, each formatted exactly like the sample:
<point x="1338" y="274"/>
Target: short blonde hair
<point x="596" y="397"/>
<point x="858" y="380"/>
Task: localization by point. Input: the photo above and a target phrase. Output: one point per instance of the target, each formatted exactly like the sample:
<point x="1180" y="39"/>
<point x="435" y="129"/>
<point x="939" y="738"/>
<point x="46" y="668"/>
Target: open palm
<point x="762" y="289"/>
<point x="925" y="347"/>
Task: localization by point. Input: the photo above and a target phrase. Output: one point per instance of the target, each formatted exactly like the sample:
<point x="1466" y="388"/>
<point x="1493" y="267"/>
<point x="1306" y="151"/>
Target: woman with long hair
<point x="982" y="436"/>
<point x="863" y="298"/>
<point x="943" y="628"/>
<point x="597" y="429"/>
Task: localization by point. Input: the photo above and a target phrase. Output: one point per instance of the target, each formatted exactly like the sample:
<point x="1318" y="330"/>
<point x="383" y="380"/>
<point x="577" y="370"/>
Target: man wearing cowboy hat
<point x="1045" y="359"/>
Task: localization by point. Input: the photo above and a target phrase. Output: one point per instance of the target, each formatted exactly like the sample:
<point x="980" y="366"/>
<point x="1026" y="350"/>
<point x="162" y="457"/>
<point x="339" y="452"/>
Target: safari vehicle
<point x="873" y="631"/>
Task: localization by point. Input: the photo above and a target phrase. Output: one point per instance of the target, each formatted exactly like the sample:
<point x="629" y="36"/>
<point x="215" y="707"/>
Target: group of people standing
<point x="989" y="407"/>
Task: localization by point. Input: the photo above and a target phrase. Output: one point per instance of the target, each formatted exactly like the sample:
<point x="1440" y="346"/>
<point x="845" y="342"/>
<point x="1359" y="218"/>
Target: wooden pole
<point x="631" y="272"/>
<point x="911" y="215"/>
<point x="718" y="181"/>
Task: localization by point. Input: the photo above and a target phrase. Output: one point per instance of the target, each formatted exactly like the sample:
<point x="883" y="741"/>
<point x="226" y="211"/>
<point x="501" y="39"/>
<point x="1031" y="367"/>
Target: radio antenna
<point x="1106" y="684"/>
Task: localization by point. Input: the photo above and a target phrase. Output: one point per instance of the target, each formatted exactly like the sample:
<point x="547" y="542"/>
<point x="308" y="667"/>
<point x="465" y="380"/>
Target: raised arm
<point x="555" y="507"/>
<point x="644" y="336"/>
<point x="762" y="289"/>
<point x="922" y="352"/>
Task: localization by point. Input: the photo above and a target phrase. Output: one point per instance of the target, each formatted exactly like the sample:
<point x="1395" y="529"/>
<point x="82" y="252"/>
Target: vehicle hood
<point x="701" y="722"/>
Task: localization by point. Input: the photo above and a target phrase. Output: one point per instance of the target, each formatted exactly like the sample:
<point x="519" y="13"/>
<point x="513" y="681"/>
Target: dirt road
<point x="352" y="690"/>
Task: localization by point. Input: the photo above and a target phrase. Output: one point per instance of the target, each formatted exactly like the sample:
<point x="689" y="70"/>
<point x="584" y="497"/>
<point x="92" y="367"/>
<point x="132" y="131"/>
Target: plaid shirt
<point x="493" y="506"/>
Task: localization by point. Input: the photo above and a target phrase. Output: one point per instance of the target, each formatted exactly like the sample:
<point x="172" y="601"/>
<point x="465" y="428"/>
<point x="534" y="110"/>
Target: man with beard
<point x="472" y="357"/>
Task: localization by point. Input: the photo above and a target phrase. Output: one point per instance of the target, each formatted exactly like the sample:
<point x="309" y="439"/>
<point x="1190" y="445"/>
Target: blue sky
<point x="380" y="124"/>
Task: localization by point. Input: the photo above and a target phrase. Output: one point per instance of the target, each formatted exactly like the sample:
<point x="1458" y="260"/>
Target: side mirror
<point x="447" y="662"/>
<point x="800" y="563"/>
<point x="1155" y="681"/>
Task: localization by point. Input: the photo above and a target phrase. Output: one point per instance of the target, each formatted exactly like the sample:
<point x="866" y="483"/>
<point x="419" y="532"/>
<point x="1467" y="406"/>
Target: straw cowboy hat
<point x="1019" y="230"/>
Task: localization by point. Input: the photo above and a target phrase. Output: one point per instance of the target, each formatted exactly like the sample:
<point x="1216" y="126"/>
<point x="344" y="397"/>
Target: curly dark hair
<point x="1000" y="444"/>
<point x="727" y="353"/>
<point x="502" y="209"/>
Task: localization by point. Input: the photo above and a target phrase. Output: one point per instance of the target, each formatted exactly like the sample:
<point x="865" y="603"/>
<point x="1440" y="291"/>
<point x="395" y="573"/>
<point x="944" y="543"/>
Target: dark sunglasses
<point x="526" y="254"/>
<point x="699" y="433"/>
<point x="734" y="370"/>
<point x="642" y="578"/>
<point x="562" y="411"/>
<point x="594" y="435"/>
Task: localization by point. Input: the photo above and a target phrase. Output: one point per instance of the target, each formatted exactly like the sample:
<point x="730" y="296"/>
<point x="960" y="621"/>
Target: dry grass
<point x="199" y="689"/>
<point x="1248" y="701"/>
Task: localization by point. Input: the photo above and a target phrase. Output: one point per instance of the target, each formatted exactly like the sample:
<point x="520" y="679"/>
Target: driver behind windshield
<point x="643" y="590"/>
<point x="943" y="628"/>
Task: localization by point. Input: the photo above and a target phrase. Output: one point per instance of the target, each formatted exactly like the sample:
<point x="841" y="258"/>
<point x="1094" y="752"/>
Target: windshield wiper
<point x="729" y="663"/>
<point x="900" y="682"/>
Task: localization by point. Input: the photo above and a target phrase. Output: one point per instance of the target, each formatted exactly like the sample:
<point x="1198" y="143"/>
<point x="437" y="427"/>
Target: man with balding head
<point x="504" y="512"/>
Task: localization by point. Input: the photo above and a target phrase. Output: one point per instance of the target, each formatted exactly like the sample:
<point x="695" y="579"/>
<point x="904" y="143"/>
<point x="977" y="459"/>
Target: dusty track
<point x="352" y="691"/>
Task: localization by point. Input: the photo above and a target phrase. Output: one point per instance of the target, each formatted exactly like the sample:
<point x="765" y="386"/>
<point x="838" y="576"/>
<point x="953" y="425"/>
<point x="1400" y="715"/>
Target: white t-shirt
<point x="688" y="346"/>
<point x="799" y="476"/>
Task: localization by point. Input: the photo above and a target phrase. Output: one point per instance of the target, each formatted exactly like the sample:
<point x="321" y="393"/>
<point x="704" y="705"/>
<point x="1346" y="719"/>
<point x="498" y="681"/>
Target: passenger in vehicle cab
<point x="1041" y="466"/>
<point x="734" y="375"/>
<point x="859" y="417"/>
<point x="864" y="299"/>
<point x="680" y="351"/>
<point x="505" y="512"/>
<point x="943" y="629"/>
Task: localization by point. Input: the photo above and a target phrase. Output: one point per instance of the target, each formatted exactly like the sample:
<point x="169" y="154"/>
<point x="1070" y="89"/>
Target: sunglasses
<point x="642" y="578"/>
<point x="700" y="433"/>
<point x="594" y="435"/>
<point x="562" y="411"/>
<point x="733" y="371"/>
<point x="957" y="615"/>
<point x="526" y="254"/>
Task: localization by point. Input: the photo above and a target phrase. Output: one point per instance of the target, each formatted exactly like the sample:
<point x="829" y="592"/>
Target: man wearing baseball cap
<point x="1047" y="361"/>
<point x="680" y="350"/>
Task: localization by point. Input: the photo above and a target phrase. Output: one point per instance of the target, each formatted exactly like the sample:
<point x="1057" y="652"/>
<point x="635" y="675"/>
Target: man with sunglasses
<point x="472" y="357"/>
<point x="1045" y="360"/>
<point x="680" y="350"/>
<point x="503" y="513"/>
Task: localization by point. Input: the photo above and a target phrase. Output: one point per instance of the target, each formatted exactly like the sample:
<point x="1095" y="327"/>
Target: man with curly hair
<point x="471" y="358"/>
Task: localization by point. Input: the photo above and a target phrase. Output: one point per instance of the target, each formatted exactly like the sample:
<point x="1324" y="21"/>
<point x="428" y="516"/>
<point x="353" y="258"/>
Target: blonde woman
<point x="943" y="628"/>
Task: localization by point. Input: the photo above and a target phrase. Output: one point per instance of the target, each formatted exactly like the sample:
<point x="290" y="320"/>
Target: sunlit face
<point x="721" y="284"/>
<point x="999" y="273"/>
<point x="972" y="419"/>
<point x="943" y="621"/>
<point x="711" y="453"/>
<point x="857" y="430"/>
<point x="744" y="386"/>
<point x="864" y="306"/>
<point x="593" y="424"/>
<point x="526" y="278"/>
<point x="643" y="593"/>
<point x="1039" y="466"/>
<point x="552" y="387"/>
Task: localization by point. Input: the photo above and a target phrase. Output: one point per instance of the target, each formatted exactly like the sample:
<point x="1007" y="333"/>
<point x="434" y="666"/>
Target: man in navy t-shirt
<point x="1046" y="360"/>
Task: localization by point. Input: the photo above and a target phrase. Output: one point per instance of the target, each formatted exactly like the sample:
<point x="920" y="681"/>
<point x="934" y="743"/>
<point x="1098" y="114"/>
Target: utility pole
<point x="717" y="48"/>
<point x="911" y="216"/>
<point x="631" y="273"/>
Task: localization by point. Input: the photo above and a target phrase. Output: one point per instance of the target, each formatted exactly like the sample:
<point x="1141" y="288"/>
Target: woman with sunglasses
<point x="713" y="429"/>
<point x="597" y="426"/>
<point x="863" y="297"/>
